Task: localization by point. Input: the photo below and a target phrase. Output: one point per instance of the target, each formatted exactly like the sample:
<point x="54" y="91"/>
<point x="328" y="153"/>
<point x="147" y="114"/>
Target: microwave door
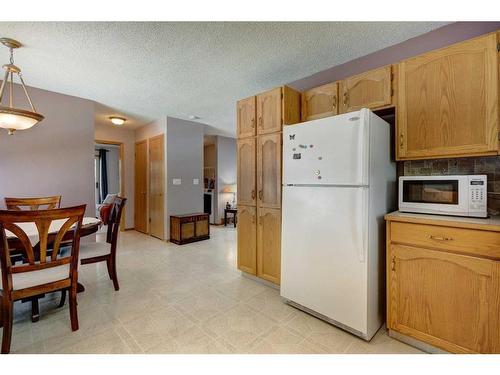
<point x="436" y="196"/>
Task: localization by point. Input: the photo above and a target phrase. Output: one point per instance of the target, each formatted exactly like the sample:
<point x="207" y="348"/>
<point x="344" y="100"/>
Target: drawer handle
<point x="440" y="238"/>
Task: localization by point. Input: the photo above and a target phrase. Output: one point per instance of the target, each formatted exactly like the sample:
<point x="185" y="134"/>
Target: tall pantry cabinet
<point x="260" y="122"/>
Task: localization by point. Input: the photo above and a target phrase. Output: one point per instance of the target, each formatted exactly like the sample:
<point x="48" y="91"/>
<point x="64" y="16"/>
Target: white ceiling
<point x="148" y="70"/>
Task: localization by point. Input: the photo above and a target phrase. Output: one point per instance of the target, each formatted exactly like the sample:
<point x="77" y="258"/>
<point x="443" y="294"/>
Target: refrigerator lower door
<point x="324" y="247"/>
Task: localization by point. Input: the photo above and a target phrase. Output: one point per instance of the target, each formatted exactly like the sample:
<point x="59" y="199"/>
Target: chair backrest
<point x="33" y="204"/>
<point x="115" y="217"/>
<point x="66" y="224"/>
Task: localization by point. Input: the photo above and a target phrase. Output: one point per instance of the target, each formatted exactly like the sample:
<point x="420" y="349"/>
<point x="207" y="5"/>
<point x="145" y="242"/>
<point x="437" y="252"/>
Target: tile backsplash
<point x="489" y="166"/>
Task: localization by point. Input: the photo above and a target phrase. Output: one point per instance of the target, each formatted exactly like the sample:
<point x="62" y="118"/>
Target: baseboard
<point x="428" y="348"/>
<point x="259" y="280"/>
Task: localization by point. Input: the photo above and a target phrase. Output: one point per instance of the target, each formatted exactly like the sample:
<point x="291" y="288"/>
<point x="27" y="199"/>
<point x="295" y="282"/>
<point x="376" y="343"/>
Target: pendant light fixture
<point x="12" y="118"/>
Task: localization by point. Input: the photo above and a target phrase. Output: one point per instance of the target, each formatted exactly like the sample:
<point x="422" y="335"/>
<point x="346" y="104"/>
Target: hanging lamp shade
<point x="13" y="118"/>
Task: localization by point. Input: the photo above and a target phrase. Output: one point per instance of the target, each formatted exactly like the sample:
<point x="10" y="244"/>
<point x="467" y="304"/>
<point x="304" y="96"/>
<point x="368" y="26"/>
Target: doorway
<point x="108" y="174"/>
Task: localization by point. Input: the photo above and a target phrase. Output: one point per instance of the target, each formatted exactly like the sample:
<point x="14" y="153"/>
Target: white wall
<point x="56" y="157"/>
<point x="226" y="171"/>
<point x="185" y="162"/>
<point x="126" y="136"/>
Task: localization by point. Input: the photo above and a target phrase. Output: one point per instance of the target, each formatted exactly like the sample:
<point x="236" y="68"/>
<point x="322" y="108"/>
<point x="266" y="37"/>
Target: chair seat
<point x="95" y="249"/>
<point x="28" y="279"/>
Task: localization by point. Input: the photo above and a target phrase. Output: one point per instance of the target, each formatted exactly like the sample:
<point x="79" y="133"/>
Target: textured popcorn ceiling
<point x="150" y="70"/>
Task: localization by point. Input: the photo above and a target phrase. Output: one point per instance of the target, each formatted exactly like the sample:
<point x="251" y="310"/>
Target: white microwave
<point x="444" y="195"/>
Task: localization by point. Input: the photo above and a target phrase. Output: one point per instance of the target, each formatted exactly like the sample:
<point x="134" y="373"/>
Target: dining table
<point x="90" y="225"/>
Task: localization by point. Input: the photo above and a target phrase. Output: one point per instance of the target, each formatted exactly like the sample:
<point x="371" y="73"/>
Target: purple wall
<point x="444" y="36"/>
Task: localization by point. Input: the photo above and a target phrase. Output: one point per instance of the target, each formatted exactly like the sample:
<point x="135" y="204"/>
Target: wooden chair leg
<point x="7" y="318"/>
<point x="63" y="298"/>
<point x="112" y="273"/>
<point x="73" y="312"/>
<point x="1" y="312"/>
<point x="35" y="310"/>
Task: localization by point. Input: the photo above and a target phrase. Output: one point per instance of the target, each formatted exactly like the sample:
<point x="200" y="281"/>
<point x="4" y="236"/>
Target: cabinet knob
<point x="401" y="140"/>
<point x="260" y="121"/>
<point x="253" y="123"/>
<point x="334" y="105"/>
<point x="253" y="193"/>
<point x="346" y="98"/>
<point x="260" y="194"/>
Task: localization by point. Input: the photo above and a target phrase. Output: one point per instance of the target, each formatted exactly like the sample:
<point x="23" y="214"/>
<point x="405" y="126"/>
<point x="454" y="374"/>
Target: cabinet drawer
<point x="469" y="241"/>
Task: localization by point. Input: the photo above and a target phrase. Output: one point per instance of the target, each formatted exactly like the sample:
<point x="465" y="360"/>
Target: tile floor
<point x="182" y="299"/>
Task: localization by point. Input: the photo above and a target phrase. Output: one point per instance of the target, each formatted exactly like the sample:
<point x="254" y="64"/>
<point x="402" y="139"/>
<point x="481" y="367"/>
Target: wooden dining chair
<point x="105" y="251"/>
<point x="43" y="272"/>
<point x="33" y="204"/>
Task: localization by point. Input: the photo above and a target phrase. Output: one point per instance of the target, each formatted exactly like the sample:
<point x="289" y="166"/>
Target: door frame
<point x="147" y="182"/>
<point x="122" y="173"/>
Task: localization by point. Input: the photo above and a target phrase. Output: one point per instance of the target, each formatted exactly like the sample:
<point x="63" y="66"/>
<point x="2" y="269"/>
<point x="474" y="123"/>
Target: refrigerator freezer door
<point x="324" y="242"/>
<point x="329" y="151"/>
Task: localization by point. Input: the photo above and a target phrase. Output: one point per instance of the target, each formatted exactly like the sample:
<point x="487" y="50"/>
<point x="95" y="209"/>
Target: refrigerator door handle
<point x="363" y="215"/>
<point x="363" y="145"/>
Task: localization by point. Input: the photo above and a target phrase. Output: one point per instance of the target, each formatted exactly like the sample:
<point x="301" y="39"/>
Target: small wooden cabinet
<point x="448" y="101"/>
<point x="246" y="188"/>
<point x="247" y="239"/>
<point x="246" y="113"/>
<point x="269" y="171"/>
<point x="269" y="119"/>
<point x="441" y="289"/>
<point x="269" y="245"/>
<point x="372" y="89"/>
<point x="189" y="228"/>
<point x="319" y="102"/>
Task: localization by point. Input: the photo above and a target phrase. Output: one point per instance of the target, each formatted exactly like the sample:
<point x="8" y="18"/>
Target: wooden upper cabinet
<point x="320" y="102"/>
<point x="246" y="172"/>
<point x="247" y="239"/>
<point x="269" y="244"/>
<point x="290" y="106"/>
<point x="269" y="119"/>
<point x="447" y="300"/>
<point x="448" y="101"/>
<point x="372" y="89"/>
<point x="269" y="170"/>
<point x="246" y="117"/>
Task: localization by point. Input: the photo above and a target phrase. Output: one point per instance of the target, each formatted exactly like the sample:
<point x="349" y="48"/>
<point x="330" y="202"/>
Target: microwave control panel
<point x="477" y="195"/>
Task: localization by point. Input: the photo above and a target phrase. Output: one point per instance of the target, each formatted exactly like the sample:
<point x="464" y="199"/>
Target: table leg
<point x="234" y="219"/>
<point x="225" y="218"/>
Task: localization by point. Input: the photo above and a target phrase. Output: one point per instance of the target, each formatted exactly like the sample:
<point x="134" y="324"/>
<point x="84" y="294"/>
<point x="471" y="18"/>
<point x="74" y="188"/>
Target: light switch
<point x="177" y="181"/>
<point x="196" y="181"/>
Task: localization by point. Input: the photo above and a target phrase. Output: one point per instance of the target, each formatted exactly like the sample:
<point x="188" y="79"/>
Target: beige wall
<point x="56" y="157"/>
<point x="104" y="132"/>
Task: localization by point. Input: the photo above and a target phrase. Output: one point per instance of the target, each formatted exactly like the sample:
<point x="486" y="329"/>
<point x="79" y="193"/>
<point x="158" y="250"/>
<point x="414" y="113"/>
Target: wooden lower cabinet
<point x="269" y="244"/>
<point x="447" y="299"/>
<point x="247" y="239"/>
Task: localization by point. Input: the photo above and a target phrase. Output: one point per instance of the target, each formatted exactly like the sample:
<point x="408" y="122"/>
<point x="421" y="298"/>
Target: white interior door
<point x="329" y="151"/>
<point x="324" y="251"/>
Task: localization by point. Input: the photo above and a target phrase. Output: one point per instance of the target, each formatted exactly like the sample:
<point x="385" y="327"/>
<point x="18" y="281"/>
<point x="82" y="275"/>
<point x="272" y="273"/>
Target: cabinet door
<point x="447" y="300"/>
<point x="246" y="117"/>
<point x="269" y="170"/>
<point x="269" y="118"/>
<point x="246" y="172"/>
<point x="372" y="89"/>
<point x="247" y="239"/>
<point x="269" y="244"/>
<point x="448" y="101"/>
<point x="320" y="102"/>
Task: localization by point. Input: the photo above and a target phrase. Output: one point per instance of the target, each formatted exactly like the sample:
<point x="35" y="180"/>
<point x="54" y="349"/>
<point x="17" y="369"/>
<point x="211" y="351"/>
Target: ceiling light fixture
<point x="117" y="120"/>
<point x="12" y="118"/>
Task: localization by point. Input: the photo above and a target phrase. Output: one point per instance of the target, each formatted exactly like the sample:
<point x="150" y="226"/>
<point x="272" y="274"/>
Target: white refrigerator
<point x="338" y="182"/>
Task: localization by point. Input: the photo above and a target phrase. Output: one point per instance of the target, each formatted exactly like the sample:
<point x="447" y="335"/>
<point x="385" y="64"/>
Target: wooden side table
<point x="189" y="228"/>
<point x="233" y="211"/>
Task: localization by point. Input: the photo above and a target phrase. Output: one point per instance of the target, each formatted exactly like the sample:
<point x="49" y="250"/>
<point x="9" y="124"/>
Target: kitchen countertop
<point x="491" y="223"/>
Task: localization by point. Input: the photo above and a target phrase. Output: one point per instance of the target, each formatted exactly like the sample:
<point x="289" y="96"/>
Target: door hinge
<point x="498" y="47"/>
<point x="499" y="136"/>
<point x="392" y="92"/>
<point x="150" y="220"/>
